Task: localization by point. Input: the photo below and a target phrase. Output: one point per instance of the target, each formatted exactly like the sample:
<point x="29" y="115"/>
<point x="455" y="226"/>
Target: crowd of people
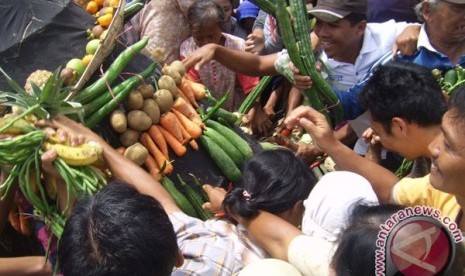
<point x="379" y="57"/>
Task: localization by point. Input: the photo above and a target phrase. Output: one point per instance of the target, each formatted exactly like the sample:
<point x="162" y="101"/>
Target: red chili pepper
<point x="286" y="132"/>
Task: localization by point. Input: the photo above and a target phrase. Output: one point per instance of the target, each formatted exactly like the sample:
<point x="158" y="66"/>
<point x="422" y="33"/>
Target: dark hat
<point x="333" y="10"/>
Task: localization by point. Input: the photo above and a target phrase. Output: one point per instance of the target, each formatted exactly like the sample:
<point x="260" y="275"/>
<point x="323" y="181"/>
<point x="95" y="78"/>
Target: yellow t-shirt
<point x="418" y="191"/>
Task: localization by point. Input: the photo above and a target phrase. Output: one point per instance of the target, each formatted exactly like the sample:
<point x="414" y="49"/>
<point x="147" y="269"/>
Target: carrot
<point x="159" y="140"/>
<point x="187" y="90"/>
<point x="198" y="89"/>
<point x="187" y="136"/>
<point x="152" y="167"/>
<point x="187" y="110"/>
<point x="194" y="130"/>
<point x="174" y="144"/>
<point x="182" y="95"/>
<point x="160" y="159"/>
<point x="168" y="122"/>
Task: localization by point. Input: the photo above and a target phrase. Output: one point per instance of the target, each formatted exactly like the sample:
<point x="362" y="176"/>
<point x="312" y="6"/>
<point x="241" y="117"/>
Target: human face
<point x="227" y="8"/>
<point x="448" y="157"/>
<point x="446" y="23"/>
<point x="401" y="138"/>
<point x="340" y="40"/>
<point x="387" y="140"/>
<point x="208" y="33"/>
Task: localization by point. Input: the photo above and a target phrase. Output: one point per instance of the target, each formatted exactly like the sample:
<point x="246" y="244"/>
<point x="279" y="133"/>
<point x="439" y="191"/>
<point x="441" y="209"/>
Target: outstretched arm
<point x="238" y="61"/>
<point x="271" y="232"/>
<point x="316" y="125"/>
<point x="121" y="167"/>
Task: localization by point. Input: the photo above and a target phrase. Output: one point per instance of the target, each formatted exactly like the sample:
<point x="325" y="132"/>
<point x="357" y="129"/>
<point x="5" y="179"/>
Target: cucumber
<point x="195" y="199"/>
<point x="180" y="199"/>
<point x="231" y="118"/>
<point x="233" y="137"/>
<point x="226" y="145"/>
<point x="221" y="159"/>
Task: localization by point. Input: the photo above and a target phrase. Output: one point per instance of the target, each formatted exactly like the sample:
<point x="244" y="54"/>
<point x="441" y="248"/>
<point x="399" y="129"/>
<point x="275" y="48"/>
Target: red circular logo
<point x="419" y="247"/>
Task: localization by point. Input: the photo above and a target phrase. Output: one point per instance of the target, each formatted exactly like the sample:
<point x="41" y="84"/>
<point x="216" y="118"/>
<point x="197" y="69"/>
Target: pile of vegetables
<point x="22" y="142"/>
<point x="155" y="122"/>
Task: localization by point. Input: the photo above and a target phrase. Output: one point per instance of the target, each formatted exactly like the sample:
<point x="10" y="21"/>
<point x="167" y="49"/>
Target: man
<point x="407" y="129"/>
<point x="119" y="232"/>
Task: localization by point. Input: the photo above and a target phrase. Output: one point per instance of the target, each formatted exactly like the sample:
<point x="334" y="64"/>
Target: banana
<point x="83" y="155"/>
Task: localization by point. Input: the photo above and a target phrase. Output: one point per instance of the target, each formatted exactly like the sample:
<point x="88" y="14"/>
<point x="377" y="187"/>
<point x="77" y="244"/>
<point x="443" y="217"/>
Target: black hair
<point x="273" y="181"/>
<point x="456" y="104"/>
<point x="355" y="18"/>
<point x="355" y="254"/>
<point x="118" y="232"/>
<point x="204" y="12"/>
<point x="406" y="90"/>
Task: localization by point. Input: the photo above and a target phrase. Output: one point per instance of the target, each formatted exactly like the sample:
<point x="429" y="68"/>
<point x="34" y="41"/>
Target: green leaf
<point x="12" y="83"/>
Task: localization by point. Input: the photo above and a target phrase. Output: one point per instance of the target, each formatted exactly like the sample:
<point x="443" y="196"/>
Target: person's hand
<point x="216" y="196"/>
<point x="300" y="82"/>
<point x="70" y="131"/>
<point x="374" y="149"/>
<point x="314" y="124"/>
<point x="255" y="42"/>
<point x="261" y="122"/>
<point x="200" y="57"/>
<point x="406" y="42"/>
<point x="308" y="152"/>
<point x="369" y="136"/>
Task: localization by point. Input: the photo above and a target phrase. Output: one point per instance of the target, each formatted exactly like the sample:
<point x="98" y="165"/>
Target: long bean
<point x="89" y="93"/>
<point x="124" y="89"/>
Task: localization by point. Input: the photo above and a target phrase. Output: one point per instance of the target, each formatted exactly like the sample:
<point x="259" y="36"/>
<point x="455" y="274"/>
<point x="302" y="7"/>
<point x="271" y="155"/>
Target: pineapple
<point x="39" y="77"/>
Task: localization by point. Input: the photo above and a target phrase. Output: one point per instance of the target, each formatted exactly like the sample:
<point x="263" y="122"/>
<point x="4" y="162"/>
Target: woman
<point x="206" y="19"/>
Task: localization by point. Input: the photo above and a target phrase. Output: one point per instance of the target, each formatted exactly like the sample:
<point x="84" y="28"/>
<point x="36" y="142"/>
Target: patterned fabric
<point x="212" y="247"/>
<point x="218" y="78"/>
<point x="165" y="22"/>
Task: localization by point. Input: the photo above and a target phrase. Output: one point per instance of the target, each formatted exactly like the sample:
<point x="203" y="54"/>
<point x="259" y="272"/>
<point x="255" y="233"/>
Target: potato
<point x="146" y="90"/>
<point x="168" y="83"/>
<point x="179" y="67"/>
<point x="129" y="137"/>
<point x="118" y="121"/>
<point x="175" y="75"/>
<point x="151" y="108"/>
<point x="164" y="100"/>
<point x="135" y="100"/>
<point x="139" y="120"/>
<point x="136" y="153"/>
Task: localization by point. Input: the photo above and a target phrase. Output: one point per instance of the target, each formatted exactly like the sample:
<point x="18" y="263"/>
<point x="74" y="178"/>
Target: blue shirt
<point x="425" y="56"/>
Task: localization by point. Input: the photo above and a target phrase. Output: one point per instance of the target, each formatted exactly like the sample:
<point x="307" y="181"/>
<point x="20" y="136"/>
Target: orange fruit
<point x="105" y="20"/>
<point x="92" y="7"/>
<point x="86" y="59"/>
<point x="114" y="3"/>
<point x="100" y="2"/>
